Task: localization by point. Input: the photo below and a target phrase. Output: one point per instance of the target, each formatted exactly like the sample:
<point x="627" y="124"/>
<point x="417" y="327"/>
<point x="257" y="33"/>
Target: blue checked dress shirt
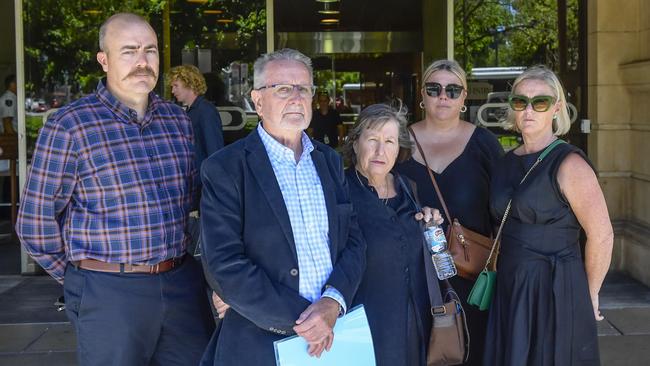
<point x="105" y="186"/>
<point x="303" y="196"/>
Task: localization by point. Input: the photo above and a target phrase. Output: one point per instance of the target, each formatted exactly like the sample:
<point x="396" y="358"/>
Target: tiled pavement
<point x="32" y="332"/>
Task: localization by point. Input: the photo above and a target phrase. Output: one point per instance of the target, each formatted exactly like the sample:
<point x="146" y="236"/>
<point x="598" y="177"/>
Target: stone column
<point x="619" y="108"/>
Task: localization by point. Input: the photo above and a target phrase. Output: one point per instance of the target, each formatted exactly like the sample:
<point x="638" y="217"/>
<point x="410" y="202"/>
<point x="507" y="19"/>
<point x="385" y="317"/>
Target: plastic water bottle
<point x="437" y="245"/>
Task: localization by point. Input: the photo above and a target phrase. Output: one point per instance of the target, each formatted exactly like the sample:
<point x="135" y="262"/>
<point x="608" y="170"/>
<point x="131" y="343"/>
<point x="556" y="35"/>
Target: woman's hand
<point x="594" y="304"/>
<point x="427" y="214"/>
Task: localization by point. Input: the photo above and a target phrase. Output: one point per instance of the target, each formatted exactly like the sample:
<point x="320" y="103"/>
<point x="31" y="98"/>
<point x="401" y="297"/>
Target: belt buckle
<point x="154" y="269"/>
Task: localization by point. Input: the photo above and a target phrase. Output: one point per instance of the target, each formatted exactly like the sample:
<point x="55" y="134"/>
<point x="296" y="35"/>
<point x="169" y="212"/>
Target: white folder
<point x="352" y="345"/>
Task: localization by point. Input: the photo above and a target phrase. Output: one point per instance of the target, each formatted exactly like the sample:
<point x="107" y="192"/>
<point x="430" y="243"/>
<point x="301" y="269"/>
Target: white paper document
<point x="352" y="345"/>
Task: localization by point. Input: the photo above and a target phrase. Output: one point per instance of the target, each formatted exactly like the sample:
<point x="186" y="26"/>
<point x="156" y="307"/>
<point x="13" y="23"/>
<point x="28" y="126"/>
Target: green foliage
<point x="520" y="32"/>
<point x="61" y="36"/>
<point x="251" y="26"/>
<point x="33" y="125"/>
<point x="323" y="80"/>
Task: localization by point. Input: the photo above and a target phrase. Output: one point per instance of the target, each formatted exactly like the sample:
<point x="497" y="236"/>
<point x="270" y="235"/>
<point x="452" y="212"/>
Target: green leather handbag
<point x="483" y="290"/>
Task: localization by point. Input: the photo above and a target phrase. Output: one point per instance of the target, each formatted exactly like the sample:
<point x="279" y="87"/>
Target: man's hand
<point x="315" y="325"/>
<point x="221" y="306"/>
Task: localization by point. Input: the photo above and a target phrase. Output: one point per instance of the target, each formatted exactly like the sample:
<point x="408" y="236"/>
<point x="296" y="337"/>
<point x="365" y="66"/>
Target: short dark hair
<point x="10" y="79"/>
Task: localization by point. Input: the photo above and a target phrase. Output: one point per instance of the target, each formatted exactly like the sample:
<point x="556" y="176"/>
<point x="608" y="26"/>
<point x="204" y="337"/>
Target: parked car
<point x="39" y="105"/>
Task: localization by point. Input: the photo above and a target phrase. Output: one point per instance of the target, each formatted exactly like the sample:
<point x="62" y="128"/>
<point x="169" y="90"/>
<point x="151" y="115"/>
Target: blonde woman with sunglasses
<point x="545" y="306"/>
<point x="460" y="156"/>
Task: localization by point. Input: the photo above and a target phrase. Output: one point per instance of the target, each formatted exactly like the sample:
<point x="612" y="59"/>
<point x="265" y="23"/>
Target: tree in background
<point x="61" y="38"/>
<point x="512" y="33"/>
<point x="61" y="35"/>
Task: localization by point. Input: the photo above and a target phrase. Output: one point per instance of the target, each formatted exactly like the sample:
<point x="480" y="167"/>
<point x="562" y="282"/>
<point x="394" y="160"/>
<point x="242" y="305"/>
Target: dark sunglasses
<point x="540" y="103"/>
<point x="453" y="91"/>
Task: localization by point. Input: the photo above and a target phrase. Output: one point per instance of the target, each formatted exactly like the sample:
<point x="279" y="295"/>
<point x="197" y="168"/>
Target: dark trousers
<point x="139" y="319"/>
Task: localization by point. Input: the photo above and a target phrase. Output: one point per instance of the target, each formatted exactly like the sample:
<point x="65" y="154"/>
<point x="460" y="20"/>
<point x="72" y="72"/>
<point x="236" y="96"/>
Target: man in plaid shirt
<point x="105" y="208"/>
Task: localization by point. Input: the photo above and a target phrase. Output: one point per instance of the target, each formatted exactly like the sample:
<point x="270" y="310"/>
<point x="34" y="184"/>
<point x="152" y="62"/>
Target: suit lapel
<point x="330" y="198"/>
<point x="260" y="166"/>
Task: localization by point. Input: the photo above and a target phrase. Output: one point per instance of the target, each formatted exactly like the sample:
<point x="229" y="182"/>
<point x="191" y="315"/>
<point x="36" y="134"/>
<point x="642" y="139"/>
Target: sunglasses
<point x="540" y="103"/>
<point x="453" y="91"/>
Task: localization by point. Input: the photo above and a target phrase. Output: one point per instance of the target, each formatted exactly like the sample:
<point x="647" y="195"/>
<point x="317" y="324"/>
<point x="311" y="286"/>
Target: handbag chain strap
<point x="433" y="179"/>
<point x="505" y="214"/>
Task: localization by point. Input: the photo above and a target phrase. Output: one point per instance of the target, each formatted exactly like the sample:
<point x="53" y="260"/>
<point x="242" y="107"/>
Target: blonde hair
<point x="446" y="65"/>
<point x="190" y="76"/>
<point x="562" y="123"/>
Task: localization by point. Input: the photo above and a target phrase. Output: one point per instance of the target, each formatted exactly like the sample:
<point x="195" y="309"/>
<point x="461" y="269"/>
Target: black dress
<point x="541" y="313"/>
<point x="393" y="289"/>
<point x="465" y="187"/>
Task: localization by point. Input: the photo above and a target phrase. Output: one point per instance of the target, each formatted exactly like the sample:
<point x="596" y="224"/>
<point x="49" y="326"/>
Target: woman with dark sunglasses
<point x="545" y="305"/>
<point x="460" y="156"/>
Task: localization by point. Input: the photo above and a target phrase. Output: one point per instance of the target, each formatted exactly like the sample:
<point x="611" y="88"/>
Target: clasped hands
<point x="315" y="324"/>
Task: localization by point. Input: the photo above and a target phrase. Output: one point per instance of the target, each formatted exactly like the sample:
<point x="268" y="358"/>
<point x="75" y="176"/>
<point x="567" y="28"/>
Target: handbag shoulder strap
<point x="408" y="194"/>
<point x="433" y="179"/>
<point x="435" y="296"/>
<point x="433" y="286"/>
<point x="507" y="211"/>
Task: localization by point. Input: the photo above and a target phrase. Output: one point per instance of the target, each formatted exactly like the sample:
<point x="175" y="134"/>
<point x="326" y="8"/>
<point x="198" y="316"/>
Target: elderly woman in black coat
<point x="394" y="288"/>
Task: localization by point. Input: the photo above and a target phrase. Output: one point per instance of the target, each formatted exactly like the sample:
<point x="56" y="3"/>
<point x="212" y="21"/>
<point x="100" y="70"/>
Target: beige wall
<point x="619" y="108"/>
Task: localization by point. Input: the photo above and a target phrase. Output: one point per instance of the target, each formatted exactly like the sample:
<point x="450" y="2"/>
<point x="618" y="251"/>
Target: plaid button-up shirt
<point x="106" y="186"/>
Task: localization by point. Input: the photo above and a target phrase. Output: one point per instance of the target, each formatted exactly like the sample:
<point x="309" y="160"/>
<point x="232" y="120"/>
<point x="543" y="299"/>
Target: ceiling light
<point x="327" y="1"/>
<point x="329" y="21"/>
<point x="212" y="11"/>
<point x="225" y="20"/>
<point x="329" y="8"/>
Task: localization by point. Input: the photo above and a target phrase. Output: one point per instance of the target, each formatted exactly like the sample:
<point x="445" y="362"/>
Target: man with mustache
<point x="105" y="208"/>
<point x="280" y="238"/>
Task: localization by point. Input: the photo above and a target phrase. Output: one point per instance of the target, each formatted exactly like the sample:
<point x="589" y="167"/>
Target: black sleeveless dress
<point x="465" y="186"/>
<point x="541" y="313"/>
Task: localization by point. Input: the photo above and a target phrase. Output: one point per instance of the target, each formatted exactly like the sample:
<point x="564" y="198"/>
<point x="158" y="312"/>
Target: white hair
<point x="285" y="54"/>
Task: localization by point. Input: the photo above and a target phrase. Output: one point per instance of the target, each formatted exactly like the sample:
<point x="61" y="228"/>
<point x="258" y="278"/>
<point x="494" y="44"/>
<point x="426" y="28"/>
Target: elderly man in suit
<point x="281" y="238"/>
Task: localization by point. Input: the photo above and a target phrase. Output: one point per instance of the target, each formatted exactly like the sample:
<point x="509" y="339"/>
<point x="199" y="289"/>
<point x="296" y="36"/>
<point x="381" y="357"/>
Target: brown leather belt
<point x="99" y="266"/>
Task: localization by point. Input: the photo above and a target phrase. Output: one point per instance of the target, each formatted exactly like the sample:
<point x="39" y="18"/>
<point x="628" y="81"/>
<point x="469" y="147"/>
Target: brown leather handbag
<point x="469" y="248"/>
<point x="449" y="337"/>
